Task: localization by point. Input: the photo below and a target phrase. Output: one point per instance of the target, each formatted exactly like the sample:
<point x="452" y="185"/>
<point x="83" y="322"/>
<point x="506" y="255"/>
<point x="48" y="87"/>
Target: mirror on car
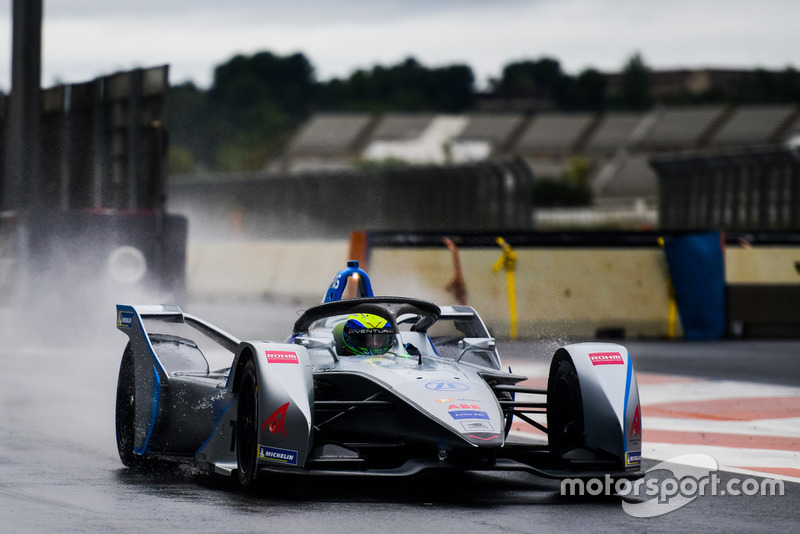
<point x="475" y="343"/>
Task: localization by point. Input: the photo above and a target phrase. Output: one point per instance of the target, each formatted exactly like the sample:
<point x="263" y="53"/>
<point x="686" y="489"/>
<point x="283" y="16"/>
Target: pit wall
<point x="561" y="292"/>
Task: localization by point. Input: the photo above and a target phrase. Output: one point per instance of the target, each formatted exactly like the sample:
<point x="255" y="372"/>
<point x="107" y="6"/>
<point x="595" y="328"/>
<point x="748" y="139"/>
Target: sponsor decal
<point x="125" y="319"/>
<point x="275" y="422"/>
<point x="468" y="414"/>
<point x="279" y="356"/>
<point x="274" y="454"/>
<point x="445" y="399"/>
<point x="636" y="426"/>
<point x="463" y="407"/>
<point x="606" y="358"/>
<point x="633" y="458"/>
<point x="446" y="385"/>
<point x="477" y="426"/>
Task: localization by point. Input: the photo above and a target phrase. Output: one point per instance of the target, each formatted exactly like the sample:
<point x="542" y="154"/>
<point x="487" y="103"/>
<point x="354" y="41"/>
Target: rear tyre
<point x="247" y="427"/>
<point x="125" y="414"/>
<point x="565" y="422"/>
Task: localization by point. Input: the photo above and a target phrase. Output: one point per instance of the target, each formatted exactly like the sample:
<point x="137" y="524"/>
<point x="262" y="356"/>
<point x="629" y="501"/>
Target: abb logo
<point x="463" y="407"/>
<point x="275" y="356"/>
<point x="606" y="358"/>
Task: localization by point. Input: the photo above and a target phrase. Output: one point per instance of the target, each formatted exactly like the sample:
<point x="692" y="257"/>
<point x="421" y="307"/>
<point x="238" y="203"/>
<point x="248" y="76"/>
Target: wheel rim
<point x="125" y="410"/>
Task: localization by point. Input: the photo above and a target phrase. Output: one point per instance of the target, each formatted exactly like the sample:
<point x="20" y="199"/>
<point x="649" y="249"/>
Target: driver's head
<point x="367" y="334"/>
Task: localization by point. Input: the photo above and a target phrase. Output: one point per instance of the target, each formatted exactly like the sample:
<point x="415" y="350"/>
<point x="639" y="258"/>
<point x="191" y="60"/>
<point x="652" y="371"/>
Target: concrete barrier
<point x="298" y="271"/>
<point x="561" y="292"/>
<point x="762" y="265"/>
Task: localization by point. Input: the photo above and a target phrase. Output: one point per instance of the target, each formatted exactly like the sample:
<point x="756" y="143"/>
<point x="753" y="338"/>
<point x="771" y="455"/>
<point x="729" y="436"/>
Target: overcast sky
<point x="83" y="39"/>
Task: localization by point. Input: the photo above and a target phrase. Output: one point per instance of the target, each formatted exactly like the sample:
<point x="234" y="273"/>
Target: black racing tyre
<point x="565" y="422"/>
<point x="247" y="427"/>
<point x="126" y="410"/>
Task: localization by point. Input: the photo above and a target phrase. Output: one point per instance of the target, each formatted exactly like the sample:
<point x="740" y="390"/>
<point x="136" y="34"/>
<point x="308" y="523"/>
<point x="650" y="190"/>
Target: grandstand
<point x="682" y="128"/>
<point x="631" y="178"/>
<point x="328" y="141"/>
<point x="414" y="138"/>
<point x="618" y="144"/>
<point x="486" y="135"/>
<point x="554" y="134"/>
<point x="401" y="126"/>
<point x="754" y="125"/>
<point x="614" y="130"/>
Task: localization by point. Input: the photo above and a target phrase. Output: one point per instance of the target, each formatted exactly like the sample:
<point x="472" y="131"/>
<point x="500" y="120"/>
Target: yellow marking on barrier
<point x="508" y="261"/>
<point x="672" y="307"/>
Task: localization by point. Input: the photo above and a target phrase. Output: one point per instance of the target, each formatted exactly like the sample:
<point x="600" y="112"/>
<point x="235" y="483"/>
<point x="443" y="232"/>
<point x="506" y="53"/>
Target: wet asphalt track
<point x="59" y="470"/>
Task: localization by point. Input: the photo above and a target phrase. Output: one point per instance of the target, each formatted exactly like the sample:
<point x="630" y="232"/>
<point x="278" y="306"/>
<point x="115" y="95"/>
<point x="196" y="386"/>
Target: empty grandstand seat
<point x="681" y="128"/>
<point x="752" y="125"/>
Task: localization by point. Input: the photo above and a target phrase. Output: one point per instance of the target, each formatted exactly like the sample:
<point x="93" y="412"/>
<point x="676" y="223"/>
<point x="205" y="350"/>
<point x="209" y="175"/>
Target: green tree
<point x="188" y="122"/>
<point x="246" y="116"/>
<point x="407" y="86"/>
<point x="524" y="77"/>
<point x="636" y="84"/>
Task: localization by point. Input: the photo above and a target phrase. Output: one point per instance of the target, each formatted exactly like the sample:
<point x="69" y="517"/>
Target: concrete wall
<point x="762" y="265"/>
<point x="297" y="271"/>
<point x="560" y="292"/>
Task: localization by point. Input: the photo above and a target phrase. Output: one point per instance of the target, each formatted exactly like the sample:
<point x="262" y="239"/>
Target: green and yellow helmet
<point x="367" y="334"/>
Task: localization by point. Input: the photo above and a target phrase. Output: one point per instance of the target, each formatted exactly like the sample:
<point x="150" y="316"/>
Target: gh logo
<point x="444" y="385"/>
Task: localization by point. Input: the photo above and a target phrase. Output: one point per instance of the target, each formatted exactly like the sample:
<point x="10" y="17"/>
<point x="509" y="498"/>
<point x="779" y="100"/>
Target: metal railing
<point x="745" y="189"/>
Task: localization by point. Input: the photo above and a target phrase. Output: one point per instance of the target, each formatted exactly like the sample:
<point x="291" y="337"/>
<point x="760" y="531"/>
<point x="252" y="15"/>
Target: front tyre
<point x="247" y="427"/>
<point x="565" y="422"/>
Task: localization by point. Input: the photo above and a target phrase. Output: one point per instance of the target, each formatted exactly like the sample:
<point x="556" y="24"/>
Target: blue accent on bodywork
<point x="629" y="375"/>
<point x="123" y="311"/>
<point x="340" y="281"/>
<point x="153" y="413"/>
<point x="216" y="424"/>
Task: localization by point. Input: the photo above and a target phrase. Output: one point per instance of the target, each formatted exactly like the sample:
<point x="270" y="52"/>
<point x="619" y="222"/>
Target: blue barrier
<point x="698" y="275"/>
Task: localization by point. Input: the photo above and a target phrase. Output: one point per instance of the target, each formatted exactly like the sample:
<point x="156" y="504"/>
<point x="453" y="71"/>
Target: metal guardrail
<point x="744" y="189"/>
<point x="481" y="196"/>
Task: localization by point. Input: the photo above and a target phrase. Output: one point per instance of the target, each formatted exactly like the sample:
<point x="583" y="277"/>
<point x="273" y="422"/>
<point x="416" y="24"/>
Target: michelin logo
<point x="275" y="454"/>
<point x="124" y="319"/>
<point x="633" y="458"/>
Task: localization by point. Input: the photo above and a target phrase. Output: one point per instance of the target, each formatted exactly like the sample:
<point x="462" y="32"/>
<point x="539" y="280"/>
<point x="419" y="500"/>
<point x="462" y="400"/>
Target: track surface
<point x="59" y="470"/>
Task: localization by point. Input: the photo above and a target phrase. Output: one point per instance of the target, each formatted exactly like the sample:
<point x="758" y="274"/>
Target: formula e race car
<point x="369" y="386"/>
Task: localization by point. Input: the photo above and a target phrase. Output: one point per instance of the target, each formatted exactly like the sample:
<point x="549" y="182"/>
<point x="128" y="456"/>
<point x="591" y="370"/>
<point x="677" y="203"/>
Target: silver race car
<point x="368" y="386"/>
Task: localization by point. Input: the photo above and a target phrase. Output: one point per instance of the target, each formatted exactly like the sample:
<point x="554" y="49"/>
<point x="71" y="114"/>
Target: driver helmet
<point x="367" y="334"/>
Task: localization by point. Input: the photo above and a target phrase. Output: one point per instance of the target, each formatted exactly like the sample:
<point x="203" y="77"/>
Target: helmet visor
<point x="372" y="340"/>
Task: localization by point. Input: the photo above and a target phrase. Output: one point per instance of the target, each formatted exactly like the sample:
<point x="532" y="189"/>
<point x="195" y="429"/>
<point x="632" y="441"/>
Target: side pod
<point x="285" y="389"/>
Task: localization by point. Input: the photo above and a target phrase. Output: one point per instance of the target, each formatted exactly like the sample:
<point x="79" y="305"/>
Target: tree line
<point x="255" y="103"/>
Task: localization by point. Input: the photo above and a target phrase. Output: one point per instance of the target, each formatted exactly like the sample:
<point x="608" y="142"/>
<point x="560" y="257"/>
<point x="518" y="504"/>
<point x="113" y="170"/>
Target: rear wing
<point x="149" y="372"/>
<point x="170" y="313"/>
